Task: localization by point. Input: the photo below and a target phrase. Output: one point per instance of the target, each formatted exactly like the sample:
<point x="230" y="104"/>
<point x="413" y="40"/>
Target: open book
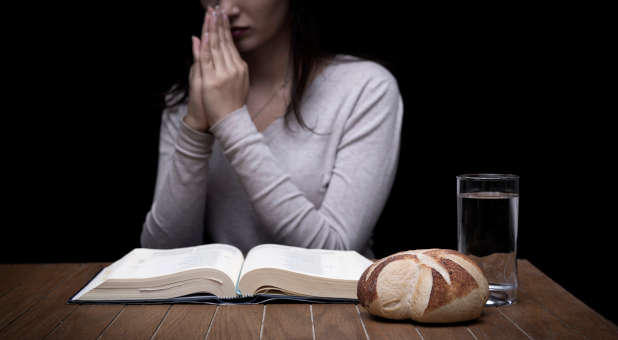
<point x="220" y="270"/>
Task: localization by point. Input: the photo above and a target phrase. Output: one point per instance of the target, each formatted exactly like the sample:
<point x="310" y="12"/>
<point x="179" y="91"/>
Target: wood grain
<point x="32" y="287"/>
<point x="236" y="322"/>
<point x="445" y="331"/>
<point x="562" y="304"/>
<point x="381" y="328"/>
<point x="337" y="321"/>
<point x="186" y="321"/>
<point x="287" y="321"/>
<point x="136" y="322"/>
<point x="493" y="325"/>
<point x="13" y="274"/>
<point x="44" y="316"/>
<point x="86" y="322"/>
<point x="536" y="321"/>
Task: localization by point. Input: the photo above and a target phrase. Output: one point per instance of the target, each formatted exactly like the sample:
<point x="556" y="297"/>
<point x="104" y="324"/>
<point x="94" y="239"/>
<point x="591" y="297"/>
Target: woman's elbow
<point x="336" y="240"/>
<point x="153" y="236"/>
<point x="146" y="239"/>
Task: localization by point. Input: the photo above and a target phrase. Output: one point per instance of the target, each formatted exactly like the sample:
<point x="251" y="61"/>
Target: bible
<point x="219" y="272"/>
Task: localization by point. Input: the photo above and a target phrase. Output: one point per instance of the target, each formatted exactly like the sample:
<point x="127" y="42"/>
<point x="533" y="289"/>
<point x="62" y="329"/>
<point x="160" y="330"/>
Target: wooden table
<point x="33" y="306"/>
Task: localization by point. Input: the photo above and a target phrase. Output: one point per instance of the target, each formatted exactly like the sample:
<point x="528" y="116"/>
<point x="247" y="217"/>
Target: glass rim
<point x="488" y="176"/>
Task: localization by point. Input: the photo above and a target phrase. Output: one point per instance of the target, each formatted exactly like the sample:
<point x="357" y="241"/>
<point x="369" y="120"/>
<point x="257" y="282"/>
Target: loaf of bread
<point x="427" y="285"/>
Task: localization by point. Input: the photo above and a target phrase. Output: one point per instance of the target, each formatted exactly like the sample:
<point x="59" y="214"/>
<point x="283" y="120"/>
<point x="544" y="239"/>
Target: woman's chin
<point x="242" y="48"/>
<point x="244" y="45"/>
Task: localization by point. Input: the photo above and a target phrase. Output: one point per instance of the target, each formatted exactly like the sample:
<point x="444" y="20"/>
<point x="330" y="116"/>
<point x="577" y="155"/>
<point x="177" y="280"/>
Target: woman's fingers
<point x="231" y="52"/>
<point x="205" y="24"/>
<point x="224" y="33"/>
<point x="205" y="52"/>
<point x="195" y="47"/>
<point x="215" y="41"/>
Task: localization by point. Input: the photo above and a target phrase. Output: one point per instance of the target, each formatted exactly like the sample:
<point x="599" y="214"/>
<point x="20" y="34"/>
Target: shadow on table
<point x="425" y="324"/>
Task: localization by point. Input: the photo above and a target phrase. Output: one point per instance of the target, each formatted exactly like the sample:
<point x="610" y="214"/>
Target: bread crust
<point x="426" y="285"/>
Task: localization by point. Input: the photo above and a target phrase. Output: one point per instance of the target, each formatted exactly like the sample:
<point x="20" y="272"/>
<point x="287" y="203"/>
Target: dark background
<point x="486" y="89"/>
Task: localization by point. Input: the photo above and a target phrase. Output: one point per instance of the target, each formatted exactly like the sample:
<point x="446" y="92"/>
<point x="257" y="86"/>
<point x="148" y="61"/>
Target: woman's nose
<point x="209" y="3"/>
<point x="229" y="7"/>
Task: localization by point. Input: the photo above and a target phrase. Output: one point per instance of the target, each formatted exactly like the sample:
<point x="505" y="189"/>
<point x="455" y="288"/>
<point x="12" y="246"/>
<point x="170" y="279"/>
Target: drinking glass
<point x="487" y="223"/>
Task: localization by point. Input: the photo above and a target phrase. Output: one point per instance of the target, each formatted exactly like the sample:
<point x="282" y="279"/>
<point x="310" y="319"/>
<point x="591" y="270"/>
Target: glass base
<point x="498" y="303"/>
<point x="501" y="295"/>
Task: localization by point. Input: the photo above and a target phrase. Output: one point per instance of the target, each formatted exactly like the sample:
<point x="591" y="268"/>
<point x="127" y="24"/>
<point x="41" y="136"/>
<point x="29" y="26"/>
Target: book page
<point x="103" y="275"/>
<point x="146" y="262"/>
<point x="334" y="264"/>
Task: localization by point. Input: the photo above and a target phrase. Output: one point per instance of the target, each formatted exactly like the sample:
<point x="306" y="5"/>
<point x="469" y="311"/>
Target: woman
<point x="275" y="144"/>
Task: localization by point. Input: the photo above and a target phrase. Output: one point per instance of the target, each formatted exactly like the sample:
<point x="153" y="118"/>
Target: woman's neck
<point x="268" y="64"/>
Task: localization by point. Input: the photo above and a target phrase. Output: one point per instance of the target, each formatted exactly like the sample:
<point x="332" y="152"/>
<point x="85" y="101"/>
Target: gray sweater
<point x="245" y="188"/>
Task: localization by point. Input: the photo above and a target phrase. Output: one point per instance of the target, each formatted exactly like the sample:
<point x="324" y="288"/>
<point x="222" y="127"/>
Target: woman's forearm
<point x="361" y="182"/>
<point x="176" y="218"/>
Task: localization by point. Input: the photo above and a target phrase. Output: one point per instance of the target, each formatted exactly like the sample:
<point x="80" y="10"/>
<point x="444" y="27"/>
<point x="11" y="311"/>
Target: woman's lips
<point x="239" y="31"/>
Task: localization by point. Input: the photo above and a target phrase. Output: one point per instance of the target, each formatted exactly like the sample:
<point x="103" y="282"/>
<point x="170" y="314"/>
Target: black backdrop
<point x="486" y="89"/>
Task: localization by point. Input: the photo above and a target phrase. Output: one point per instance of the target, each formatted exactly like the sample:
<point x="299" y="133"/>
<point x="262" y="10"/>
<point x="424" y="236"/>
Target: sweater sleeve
<point x="176" y="217"/>
<point x="363" y="174"/>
